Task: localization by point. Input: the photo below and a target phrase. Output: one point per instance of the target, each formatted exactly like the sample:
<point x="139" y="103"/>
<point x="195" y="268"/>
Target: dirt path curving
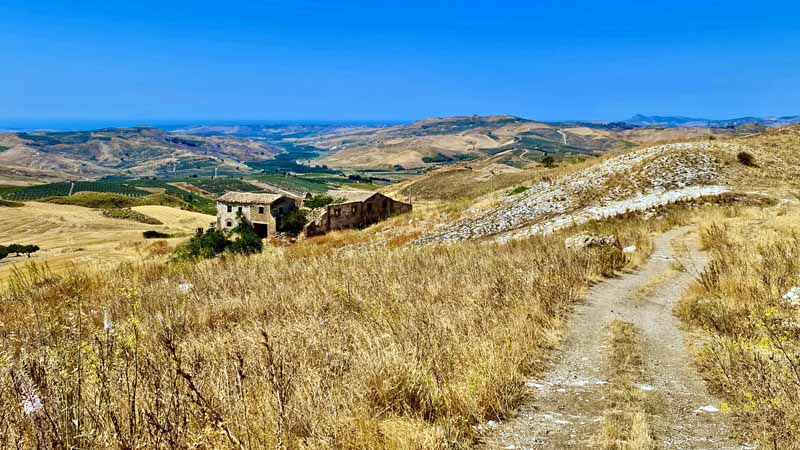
<point x="570" y="403"/>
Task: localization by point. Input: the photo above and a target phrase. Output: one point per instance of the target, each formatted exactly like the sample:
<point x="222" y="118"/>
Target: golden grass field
<point x="355" y="340"/>
<point x="73" y="235"/>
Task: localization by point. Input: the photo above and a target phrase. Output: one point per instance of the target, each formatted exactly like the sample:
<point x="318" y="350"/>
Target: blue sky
<point x="396" y="60"/>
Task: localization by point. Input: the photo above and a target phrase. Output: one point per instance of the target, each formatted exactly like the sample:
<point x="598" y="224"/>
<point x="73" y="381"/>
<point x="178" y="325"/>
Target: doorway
<point x="261" y="229"/>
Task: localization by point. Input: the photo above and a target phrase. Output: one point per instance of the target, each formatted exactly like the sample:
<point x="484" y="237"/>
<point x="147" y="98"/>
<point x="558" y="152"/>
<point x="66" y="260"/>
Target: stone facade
<point x="262" y="210"/>
<point x="354" y="209"/>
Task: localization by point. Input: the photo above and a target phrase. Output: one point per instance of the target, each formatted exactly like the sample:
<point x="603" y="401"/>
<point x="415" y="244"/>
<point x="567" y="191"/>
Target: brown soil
<point x="570" y="402"/>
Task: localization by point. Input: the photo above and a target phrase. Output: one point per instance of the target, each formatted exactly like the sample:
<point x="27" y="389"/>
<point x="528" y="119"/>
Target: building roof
<point x="249" y="198"/>
<point x="350" y="196"/>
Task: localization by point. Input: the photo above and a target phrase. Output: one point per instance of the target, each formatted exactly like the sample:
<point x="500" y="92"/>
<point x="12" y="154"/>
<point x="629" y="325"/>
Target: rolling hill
<point x="691" y="122"/>
<point x="45" y="156"/>
<point x="443" y="140"/>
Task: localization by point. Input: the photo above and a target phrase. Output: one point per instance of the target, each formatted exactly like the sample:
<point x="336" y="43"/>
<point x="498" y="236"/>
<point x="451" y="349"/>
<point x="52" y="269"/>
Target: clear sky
<point x="396" y="60"/>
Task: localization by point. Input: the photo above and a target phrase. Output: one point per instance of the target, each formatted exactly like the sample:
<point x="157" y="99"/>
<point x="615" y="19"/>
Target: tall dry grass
<point x="370" y="348"/>
<point x="752" y="352"/>
<point x="399" y="349"/>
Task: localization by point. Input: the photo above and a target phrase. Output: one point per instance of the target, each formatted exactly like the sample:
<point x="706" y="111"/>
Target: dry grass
<point x="480" y="178"/>
<point x="396" y="349"/>
<point x="299" y="348"/>
<point x="72" y="235"/>
<point x="626" y="423"/>
<point x="751" y="350"/>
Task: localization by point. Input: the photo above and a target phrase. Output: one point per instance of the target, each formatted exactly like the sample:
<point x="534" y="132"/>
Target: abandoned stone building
<point x="262" y="210"/>
<point x="353" y="209"/>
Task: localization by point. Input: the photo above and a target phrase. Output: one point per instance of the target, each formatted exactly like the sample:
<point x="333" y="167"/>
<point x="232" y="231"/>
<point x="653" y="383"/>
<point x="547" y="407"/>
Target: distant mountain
<point x="692" y="122"/>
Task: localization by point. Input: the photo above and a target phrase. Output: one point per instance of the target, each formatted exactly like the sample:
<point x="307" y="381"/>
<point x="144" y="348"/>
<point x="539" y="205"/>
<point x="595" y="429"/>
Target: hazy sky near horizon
<point x="390" y="60"/>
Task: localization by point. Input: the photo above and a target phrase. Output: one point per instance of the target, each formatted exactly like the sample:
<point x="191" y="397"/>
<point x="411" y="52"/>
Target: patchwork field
<point x="72" y="235"/>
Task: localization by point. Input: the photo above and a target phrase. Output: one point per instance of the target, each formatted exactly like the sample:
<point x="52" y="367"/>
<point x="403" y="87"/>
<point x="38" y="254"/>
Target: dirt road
<point x="570" y="403"/>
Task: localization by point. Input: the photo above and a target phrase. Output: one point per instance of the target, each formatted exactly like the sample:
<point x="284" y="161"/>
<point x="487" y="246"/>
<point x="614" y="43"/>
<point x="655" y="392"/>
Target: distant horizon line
<point x="83" y="124"/>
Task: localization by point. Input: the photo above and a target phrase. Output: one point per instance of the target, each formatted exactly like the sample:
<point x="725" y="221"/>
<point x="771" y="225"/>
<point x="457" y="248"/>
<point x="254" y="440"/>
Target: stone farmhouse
<point x="262" y="210"/>
<point x="353" y="209"/>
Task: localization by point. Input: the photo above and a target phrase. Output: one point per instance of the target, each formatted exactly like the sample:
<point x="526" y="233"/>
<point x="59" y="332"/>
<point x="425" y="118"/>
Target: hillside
<point x="73" y="236"/>
<point x="631" y="181"/>
<point x="691" y="122"/>
<point x="446" y="140"/>
<point x="506" y="336"/>
<point x="43" y="156"/>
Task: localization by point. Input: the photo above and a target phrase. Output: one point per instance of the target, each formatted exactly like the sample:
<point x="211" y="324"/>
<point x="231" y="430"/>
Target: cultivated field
<point x="77" y="236"/>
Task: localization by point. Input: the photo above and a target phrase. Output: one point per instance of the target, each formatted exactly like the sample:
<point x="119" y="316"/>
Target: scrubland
<point x="747" y="322"/>
<point x="395" y="348"/>
<point x="356" y="340"/>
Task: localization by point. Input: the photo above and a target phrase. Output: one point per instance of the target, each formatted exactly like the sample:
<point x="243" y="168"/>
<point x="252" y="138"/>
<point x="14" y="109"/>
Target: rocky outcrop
<point x="584" y="241"/>
<point x="634" y="181"/>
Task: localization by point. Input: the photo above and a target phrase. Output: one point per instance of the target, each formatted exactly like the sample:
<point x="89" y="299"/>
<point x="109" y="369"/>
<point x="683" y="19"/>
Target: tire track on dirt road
<point x="570" y="403"/>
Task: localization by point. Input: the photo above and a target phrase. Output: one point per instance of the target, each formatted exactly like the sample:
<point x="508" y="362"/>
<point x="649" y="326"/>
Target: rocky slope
<point x="636" y="180"/>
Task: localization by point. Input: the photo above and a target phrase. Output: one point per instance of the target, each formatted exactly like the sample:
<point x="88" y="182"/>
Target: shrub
<point x="293" y="223"/>
<point x="19" y="249"/>
<point x="548" y="162"/>
<point x="318" y="201"/>
<point x="746" y="159"/>
<point x="518" y="190"/>
<point x="215" y="242"/>
<point x="129" y="214"/>
<point x="249" y="242"/>
<point x="3" y="252"/>
<point x="207" y="245"/>
<point x="10" y="204"/>
<point x="153" y="234"/>
<point x="29" y="249"/>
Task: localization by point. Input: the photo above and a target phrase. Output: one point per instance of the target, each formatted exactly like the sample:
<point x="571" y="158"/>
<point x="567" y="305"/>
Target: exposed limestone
<point x="634" y="181"/>
<point x="584" y="241"/>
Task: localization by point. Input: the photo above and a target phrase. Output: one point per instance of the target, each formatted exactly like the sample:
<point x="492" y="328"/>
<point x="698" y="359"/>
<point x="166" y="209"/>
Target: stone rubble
<point x="634" y="181"/>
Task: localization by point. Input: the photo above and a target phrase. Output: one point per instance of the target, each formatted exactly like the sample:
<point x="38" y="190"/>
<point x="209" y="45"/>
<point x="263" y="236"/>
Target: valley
<point x="463" y="322"/>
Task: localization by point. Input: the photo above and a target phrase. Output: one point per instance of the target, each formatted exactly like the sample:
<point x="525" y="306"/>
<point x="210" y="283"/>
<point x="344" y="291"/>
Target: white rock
<point x="706" y="409"/>
<point x="645" y="387"/>
<point x="793" y="296"/>
<point x="535" y="385"/>
<point x="629" y="249"/>
<point x="491" y="424"/>
<point x="108" y="326"/>
<point x="185" y="288"/>
<point x="32" y="403"/>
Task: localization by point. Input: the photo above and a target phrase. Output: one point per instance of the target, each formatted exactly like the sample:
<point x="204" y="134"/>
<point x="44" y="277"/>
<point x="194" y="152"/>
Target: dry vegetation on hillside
<point x="400" y="349"/>
<point x="743" y="308"/>
<point x="76" y="236"/>
<point x="355" y="340"/>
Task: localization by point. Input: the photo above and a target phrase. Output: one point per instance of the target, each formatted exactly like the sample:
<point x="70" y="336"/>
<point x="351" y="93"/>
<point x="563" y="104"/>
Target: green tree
<point x="318" y="201"/>
<point x="29" y="249"/>
<point x="3" y="252"/>
<point x="293" y="223"/>
<point x="215" y="242"/>
<point x="248" y="242"/>
<point x="207" y="245"/>
<point x="548" y="162"/>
